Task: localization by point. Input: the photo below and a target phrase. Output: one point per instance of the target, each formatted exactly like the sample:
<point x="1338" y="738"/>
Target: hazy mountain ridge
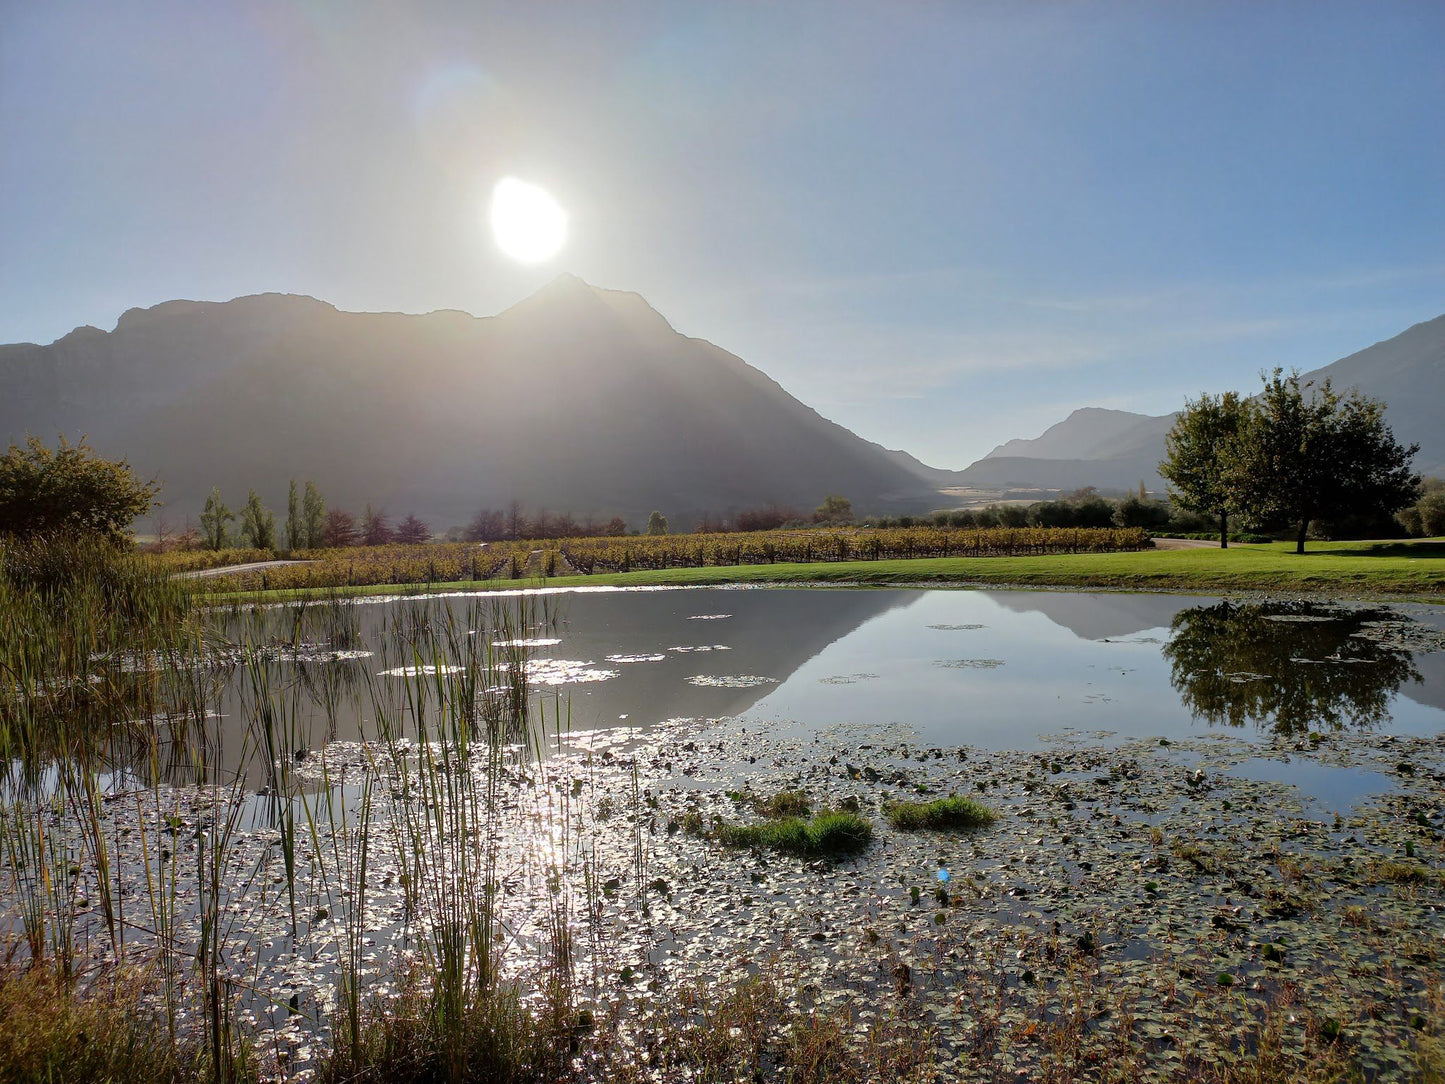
<point x="575" y="399"/>
<point x="1118" y="449"/>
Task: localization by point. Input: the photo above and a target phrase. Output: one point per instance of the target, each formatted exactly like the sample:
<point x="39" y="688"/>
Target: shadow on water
<point x="1286" y="668"/>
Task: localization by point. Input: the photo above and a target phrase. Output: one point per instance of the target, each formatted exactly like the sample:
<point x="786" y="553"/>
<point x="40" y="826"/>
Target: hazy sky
<point x="943" y="225"/>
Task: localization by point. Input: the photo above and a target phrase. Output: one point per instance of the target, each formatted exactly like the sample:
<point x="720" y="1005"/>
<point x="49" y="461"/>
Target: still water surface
<point x="995" y="669"/>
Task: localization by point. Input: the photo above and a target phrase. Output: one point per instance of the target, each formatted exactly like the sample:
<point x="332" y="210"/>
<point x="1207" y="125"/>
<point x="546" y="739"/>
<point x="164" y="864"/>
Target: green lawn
<point x="1415" y="567"/>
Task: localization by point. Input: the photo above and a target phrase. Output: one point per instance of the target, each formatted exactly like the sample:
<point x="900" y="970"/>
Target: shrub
<point x="943" y="814"/>
<point x="69" y="490"/>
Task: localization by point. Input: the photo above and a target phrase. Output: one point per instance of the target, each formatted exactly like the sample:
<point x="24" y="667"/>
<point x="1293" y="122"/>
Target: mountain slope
<point x="575" y="399"/>
<point x="1118" y="449"/>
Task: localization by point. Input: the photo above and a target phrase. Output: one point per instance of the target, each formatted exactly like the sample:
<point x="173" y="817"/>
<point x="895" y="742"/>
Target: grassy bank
<point x="1409" y="568"/>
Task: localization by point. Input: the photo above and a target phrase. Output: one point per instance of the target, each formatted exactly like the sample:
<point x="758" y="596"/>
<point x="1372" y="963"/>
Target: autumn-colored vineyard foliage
<point x="469" y="561"/>
<point x="200" y="560"/>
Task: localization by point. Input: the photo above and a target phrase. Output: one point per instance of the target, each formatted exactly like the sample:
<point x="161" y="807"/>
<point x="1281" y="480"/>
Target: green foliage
<point x="952" y="812"/>
<point x="1426" y="517"/>
<point x="70" y="489"/>
<point x="295" y="532"/>
<point x="313" y="515"/>
<point x="258" y="524"/>
<point x="1200" y="452"/>
<point x="214" y="534"/>
<point x="1140" y="511"/>
<point x="835" y="509"/>
<point x="1303" y="457"/>
<point x="657" y="523"/>
<point x="1290" y="457"/>
<point x="827" y="835"/>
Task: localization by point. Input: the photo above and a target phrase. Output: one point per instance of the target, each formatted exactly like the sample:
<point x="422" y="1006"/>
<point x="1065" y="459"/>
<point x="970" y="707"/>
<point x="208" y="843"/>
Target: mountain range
<point x="576" y="399"/>
<point x="1118" y="449"/>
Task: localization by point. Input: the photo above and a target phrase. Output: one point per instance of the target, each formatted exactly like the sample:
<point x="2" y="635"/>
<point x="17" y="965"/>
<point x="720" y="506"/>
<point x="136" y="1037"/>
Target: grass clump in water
<point x="940" y="815"/>
<point x="826" y="835"/>
<point x="786" y="803"/>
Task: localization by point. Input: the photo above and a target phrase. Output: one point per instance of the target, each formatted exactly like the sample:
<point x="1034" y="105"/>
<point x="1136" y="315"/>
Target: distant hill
<point x="577" y="399"/>
<point x="1116" y="449"/>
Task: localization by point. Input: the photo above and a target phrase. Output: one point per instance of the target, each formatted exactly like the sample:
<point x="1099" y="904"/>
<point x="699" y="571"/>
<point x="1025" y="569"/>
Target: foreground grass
<point x="53" y="1030"/>
<point x="941" y="815"/>
<point x="1414" y="568"/>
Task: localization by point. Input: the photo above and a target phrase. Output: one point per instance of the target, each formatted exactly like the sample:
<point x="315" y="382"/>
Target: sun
<point x="528" y="224"/>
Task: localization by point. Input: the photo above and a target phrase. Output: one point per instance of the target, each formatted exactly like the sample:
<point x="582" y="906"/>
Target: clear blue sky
<point x="941" y="224"/>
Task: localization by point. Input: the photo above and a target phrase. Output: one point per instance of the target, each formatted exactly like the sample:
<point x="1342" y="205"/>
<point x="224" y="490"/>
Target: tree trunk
<point x="1223" y="530"/>
<point x="1304" y="525"/>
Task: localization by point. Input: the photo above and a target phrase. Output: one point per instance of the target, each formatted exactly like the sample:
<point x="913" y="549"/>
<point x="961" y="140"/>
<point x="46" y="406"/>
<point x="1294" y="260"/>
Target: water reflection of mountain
<point x="768" y="634"/>
<point x="1285" y="667"/>
<point x="765" y="634"/>
<point x="1095" y="616"/>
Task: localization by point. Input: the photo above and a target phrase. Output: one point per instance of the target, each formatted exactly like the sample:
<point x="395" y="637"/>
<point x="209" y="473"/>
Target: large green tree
<point x="69" y="490"/>
<point x="214" y="520"/>
<point x="1308" y="453"/>
<point x="1200" y="452"/>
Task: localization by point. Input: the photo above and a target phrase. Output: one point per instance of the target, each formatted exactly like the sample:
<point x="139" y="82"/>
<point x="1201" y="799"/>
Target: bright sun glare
<point x="527" y="222"/>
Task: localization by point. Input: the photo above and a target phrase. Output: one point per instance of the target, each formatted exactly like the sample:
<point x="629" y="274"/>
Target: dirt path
<point x="1183" y="544"/>
<point x="226" y="570"/>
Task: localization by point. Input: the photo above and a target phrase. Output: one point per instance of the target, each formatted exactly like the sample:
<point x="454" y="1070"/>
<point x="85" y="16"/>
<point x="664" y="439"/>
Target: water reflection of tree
<point x="1291" y="668"/>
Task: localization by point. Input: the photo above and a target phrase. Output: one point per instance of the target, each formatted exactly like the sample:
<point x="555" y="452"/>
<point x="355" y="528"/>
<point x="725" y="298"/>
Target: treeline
<point x="1426" y="517"/>
<point x="309" y="525"/>
<point x="513" y="523"/>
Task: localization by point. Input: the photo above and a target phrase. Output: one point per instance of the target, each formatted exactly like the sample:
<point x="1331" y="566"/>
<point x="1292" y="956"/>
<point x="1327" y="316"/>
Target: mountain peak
<point x="572" y="300"/>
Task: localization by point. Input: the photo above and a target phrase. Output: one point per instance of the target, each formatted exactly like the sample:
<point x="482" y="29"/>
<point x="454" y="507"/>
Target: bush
<point x="943" y="814"/>
<point x="70" y="490"/>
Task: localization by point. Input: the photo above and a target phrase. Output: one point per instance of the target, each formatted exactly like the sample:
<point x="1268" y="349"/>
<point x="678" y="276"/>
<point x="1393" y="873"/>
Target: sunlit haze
<point x="941" y="225"/>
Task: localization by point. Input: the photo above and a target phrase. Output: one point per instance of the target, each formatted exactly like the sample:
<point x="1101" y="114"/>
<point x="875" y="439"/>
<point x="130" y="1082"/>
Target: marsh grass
<point x="823" y="835"/>
<point x="953" y="813"/>
<point x="57" y="1030"/>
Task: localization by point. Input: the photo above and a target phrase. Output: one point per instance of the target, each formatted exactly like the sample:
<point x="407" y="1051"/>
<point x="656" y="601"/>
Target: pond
<point x="1201" y="814"/>
<point x="987" y="669"/>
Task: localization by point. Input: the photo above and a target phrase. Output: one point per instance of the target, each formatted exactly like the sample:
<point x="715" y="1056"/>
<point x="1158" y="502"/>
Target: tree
<point x="313" y="515"/>
<point x="834" y="509"/>
<point x="1303" y="457"/>
<point x="214" y="520"/>
<point x="69" y="490"/>
<point x="258" y="524"/>
<point x="375" y="527"/>
<point x="1199" y="454"/>
<point x="339" y="530"/>
<point x="295" y="531"/>
<point x="657" y="523"/>
<point x="412" y="531"/>
<point x="1137" y="511"/>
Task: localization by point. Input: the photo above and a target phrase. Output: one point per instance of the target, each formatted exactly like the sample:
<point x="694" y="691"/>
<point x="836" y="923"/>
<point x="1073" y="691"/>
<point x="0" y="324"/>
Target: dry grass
<point x="54" y="1030"/>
